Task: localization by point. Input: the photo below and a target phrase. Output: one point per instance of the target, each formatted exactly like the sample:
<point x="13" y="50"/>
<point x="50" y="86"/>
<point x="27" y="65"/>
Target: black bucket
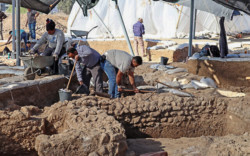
<point x="164" y="60"/>
<point x="64" y="95"/>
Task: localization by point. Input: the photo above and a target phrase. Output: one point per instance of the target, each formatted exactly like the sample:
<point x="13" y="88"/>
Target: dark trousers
<point x="48" y="52"/>
<point x="95" y="72"/>
<point x="223" y="39"/>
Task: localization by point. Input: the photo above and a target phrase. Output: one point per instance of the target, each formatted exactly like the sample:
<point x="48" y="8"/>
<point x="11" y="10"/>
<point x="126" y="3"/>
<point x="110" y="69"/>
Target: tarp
<point x="209" y="6"/>
<point x="243" y="5"/>
<point x="86" y="4"/>
<point x="44" y="6"/>
<point x="160" y="19"/>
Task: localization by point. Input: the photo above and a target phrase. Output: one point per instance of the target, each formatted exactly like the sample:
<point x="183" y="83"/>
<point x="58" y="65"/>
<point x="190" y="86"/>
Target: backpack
<point x="210" y="50"/>
<point x="214" y="51"/>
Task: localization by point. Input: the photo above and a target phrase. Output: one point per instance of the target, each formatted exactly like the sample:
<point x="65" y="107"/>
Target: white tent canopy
<point x="160" y="19"/>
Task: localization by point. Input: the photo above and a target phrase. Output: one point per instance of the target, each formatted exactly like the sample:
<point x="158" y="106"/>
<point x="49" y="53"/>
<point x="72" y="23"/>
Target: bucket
<point x="164" y="60"/>
<point x="63" y="69"/>
<point x="64" y="95"/>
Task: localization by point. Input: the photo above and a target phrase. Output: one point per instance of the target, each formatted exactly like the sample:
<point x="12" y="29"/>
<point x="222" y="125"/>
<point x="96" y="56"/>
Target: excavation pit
<point x="48" y="126"/>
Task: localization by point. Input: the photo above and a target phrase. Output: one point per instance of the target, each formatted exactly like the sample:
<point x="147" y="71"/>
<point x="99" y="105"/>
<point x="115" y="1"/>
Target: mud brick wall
<point x="165" y="116"/>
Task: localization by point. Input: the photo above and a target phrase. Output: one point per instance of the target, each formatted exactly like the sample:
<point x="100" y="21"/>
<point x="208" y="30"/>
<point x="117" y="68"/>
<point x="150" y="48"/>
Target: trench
<point x="161" y="116"/>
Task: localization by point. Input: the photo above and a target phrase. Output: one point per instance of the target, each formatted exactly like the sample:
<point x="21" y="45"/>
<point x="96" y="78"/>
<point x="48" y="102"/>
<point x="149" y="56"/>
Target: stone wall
<point x="41" y="92"/>
<point x="168" y="116"/>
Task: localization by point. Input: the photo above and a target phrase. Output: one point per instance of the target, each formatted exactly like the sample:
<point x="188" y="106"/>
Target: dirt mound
<point x="60" y="20"/>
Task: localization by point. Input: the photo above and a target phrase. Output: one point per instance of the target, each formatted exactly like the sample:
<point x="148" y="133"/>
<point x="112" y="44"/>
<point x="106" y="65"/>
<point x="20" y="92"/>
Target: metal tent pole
<point x="195" y="17"/>
<point x="124" y="29"/>
<point x="13" y="26"/>
<point x="191" y="28"/>
<point x="18" y="37"/>
<point x="111" y="35"/>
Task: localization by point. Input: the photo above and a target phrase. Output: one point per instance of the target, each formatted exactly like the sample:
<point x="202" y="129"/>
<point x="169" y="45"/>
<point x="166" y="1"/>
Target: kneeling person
<point x="90" y="59"/>
<point x="125" y="63"/>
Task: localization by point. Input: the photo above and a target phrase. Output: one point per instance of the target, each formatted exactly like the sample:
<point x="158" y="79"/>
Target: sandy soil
<point x="230" y="145"/>
<point x="60" y="19"/>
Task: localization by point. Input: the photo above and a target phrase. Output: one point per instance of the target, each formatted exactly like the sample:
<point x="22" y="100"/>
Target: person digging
<point x="125" y="63"/>
<point x="87" y="66"/>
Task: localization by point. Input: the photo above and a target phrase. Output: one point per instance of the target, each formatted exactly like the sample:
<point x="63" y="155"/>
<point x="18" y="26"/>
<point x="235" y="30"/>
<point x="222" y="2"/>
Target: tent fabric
<point x="44" y="6"/>
<point x="242" y="5"/>
<point x="209" y="6"/>
<point x="160" y="20"/>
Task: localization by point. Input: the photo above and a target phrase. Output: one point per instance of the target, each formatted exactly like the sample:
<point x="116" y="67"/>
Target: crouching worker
<point x="55" y="39"/>
<point x="87" y="66"/>
<point x="125" y="63"/>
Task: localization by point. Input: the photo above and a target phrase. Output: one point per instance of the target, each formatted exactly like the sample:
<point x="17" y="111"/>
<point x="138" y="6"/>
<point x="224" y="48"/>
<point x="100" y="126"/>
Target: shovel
<point x="71" y="75"/>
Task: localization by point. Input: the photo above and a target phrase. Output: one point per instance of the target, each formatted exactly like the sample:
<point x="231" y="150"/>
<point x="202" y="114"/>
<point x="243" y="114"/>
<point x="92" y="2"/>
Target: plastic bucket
<point x="64" y="95"/>
<point x="164" y="60"/>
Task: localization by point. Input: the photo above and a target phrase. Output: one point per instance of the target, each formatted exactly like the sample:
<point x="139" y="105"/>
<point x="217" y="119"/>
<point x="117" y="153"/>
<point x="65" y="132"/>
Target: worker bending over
<point x="87" y="66"/>
<point x="125" y="63"/>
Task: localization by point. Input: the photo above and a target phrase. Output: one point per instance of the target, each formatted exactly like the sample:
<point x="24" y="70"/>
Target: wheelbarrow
<point x="35" y="64"/>
<point x="79" y="33"/>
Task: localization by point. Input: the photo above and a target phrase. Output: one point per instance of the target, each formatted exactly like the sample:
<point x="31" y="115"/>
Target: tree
<point x="66" y="6"/>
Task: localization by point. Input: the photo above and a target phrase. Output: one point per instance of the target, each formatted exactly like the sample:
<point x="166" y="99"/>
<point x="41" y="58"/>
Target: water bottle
<point x="8" y="55"/>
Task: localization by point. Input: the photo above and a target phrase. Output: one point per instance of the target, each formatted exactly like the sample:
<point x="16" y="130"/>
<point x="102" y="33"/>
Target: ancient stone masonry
<point x="168" y="116"/>
<point x="81" y="130"/>
<point x="67" y="128"/>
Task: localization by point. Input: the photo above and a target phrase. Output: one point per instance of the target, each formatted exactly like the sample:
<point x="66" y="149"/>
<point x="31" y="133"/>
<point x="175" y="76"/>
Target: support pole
<point x="191" y="28"/>
<point x="124" y="30"/>
<point x="13" y="26"/>
<point x="18" y="37"/>
<point x="103" y="24"/>
<point x="195" y="17"/>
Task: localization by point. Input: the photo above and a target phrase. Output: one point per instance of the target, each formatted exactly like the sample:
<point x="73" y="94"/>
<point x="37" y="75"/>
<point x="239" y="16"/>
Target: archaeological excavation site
<point x="181" y="113"/>
<point x="124" y="78"/>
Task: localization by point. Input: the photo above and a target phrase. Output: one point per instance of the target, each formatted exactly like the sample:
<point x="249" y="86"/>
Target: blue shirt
<point x="138" y="29"/>
<point x="21" y="31"/>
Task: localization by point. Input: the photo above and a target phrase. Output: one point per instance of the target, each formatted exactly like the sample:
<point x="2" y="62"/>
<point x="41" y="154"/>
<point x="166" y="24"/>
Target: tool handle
<point x="71" y="75"/>
<point x="142" y="91"/>
<point x="166" y="84"/>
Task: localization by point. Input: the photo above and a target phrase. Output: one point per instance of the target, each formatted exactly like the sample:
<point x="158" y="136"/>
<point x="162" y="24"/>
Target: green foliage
<point x="22" y="10"/>
<point x="66" y="6"/>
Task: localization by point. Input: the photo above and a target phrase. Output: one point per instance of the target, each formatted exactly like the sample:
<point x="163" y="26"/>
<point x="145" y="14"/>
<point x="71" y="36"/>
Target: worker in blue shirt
<point x="139" y="30"/>
<point x="23" y="35"/>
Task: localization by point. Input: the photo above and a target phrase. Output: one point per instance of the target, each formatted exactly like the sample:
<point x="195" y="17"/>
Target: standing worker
<point x="138" y="29"/>
<point x="31" y="21"/>
<point x="125" y="63"/>
<point x="90" y="59"/>
<point x="55" y="39"/>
